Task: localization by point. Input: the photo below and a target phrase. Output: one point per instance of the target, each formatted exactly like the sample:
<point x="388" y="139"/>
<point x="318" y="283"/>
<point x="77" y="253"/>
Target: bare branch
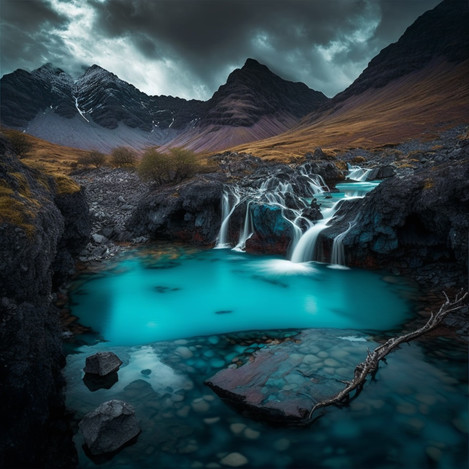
<point x="371" y="363"/>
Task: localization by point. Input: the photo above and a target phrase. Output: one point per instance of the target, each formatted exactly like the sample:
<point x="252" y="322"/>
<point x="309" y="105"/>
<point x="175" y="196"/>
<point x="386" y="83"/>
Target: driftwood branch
<point x="371" y="363"/>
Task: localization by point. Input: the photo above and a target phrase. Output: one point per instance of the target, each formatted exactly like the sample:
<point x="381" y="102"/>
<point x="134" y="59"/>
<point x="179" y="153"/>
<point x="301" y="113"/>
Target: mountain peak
<point x="48" y="69"/>
<point x="96" y="69"/>
<point x="253" y="64"/>
<point x="438" y="34"/>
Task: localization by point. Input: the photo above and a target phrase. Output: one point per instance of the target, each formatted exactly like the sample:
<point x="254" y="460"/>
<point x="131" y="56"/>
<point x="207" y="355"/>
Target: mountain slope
<point x="101" y="111"/>
<point x="411" y="89"/>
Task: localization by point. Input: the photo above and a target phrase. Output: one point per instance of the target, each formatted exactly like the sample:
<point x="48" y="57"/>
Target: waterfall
<point x="246" y="231"/>
<point x="356" y="173"/>
<point x="304" y="249"/>
<point x="226" y="212"/>
<point x="338" y="254"/>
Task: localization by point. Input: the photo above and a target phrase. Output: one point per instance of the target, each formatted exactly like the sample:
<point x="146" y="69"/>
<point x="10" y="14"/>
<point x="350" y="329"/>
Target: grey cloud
<point x="25" y="33"/>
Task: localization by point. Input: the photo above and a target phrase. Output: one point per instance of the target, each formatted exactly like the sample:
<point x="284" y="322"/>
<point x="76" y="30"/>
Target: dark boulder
<point x="102" y="363"/>
<point x="109" y="427"/>
<point x="272" y="231"/>
<point x="189" y="211"/>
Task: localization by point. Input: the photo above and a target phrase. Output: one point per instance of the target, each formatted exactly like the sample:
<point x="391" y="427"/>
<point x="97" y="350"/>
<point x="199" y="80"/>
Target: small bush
<point x="122" y="157"/>
<point x="185" y="161"/>
<point x="20" y="143"/>
<point x="93" y="158"/>
<point x="162" y="168"/>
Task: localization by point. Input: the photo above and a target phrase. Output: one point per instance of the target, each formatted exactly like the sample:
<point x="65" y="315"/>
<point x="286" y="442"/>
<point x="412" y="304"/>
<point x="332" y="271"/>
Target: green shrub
<point x="20" y="143"/>
<point x="93" y="158"/>
<point x="123" y="156"/>
<point x="162" y="168"/>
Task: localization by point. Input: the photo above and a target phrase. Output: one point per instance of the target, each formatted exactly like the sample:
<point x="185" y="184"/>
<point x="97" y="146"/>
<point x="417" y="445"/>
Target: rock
<point x="260" y="387"/>
<point x="272" y="233"/>
<point x="109" y="427"/>
<point x="385" y="172"/>
<point x="189" y="211"/>
<point x="98" y="239"/>
<point x="102" y="363"/>
<point x="234" y="460"/>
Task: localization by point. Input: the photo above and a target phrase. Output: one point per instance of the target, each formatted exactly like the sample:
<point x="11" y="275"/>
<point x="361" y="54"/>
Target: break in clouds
<point x="187" y="48"/>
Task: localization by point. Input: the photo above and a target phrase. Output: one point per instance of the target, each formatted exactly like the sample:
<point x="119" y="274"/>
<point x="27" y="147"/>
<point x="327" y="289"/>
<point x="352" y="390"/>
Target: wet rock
<point x="261" y="387"/>
<point x="102" y="363"/>
<point x="272" y="233"/>
<point x="109" y="427"/>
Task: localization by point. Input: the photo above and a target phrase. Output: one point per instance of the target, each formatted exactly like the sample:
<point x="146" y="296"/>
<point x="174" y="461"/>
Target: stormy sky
<point x="187" y="48"/>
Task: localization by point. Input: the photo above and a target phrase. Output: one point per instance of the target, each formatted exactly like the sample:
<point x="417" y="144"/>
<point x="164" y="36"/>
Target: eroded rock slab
<point x="282" y="383"/>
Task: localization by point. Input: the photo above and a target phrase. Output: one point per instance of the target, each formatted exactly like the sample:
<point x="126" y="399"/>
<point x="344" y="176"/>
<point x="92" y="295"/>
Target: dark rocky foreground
<point x="46" y="227"/>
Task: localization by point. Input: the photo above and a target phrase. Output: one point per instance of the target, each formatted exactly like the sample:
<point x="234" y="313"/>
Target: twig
<point x="371" y="363"/>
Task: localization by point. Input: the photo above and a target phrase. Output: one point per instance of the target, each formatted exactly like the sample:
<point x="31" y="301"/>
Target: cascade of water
<point x="304" y="249"/>
<point x="246" y="231"/>
<point x="226" y="212"/>
<point x="356" y="173"/>
<point x="274" y="192"/>
<point x="316" y="182"/>
<point x="338" y="254"/>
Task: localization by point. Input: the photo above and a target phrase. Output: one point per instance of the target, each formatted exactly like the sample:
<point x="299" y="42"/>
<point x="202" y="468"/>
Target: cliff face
<point x="43" y="224"/>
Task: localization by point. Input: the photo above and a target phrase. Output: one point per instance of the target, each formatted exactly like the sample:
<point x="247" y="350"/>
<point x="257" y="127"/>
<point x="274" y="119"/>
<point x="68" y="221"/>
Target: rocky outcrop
<point x="43" y="223"/>
<point x="410" y="222"/>
<point x="189" y="211"/>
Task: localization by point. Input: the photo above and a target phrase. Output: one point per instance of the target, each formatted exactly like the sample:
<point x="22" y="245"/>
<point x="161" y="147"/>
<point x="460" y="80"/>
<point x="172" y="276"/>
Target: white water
<point x="356" y="173"/>
<point x="274" y="192"/>
<point x="226" y="211"/>
<point x="305" y="248"/>
<point x="338" y="253"/>
<point x="247" y="230"/>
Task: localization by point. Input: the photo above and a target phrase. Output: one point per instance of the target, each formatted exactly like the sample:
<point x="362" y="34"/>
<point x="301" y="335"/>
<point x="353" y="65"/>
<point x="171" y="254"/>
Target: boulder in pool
<point x="102" y="363"/>
<point x="109" y="427"/>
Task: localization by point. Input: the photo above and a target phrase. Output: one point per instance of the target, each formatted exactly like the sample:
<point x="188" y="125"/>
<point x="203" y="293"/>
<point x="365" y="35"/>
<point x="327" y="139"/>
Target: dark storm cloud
<point x="25" y="32"/>
<point x="207" y="36"/>
<point x="188" y="47"/>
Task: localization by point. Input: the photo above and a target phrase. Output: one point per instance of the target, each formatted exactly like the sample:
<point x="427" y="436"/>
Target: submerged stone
<point x="234" y="460"/>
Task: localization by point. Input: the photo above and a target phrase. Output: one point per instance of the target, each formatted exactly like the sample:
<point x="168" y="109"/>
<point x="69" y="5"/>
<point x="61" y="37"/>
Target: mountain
<point x="413" y="88"/>
<point x="101" y="111"/>
<point x="253" y="104"/>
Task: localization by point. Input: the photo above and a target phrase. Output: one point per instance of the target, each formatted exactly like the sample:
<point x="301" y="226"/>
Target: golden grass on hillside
<point x="50" y="157"/>
<point x="419" y="105"/>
